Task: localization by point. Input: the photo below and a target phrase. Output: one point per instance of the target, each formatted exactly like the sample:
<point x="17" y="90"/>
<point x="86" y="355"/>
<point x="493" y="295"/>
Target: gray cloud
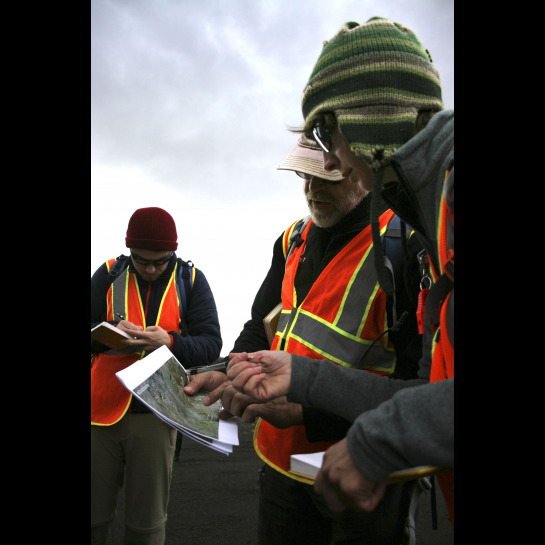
<point x="198" y="94"/>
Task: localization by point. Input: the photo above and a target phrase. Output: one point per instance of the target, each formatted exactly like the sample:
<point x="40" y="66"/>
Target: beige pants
<point x="137" y="451"/>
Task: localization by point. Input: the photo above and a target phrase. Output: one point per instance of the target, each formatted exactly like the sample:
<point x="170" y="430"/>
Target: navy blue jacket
<point x="203" y="343"/>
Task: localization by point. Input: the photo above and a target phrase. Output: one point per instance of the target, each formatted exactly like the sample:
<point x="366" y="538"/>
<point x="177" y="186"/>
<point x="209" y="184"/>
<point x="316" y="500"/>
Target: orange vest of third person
<point x="442" y="366"/>
<point x="109" y="398"/>
<point x="443" y="344"/>
<point x="344" y="311"/>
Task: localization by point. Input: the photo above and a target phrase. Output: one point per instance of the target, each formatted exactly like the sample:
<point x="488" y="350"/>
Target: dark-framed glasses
<point x="309" y="177"/>
<point x="154" y="262"/>
<point x="322" y="135"/>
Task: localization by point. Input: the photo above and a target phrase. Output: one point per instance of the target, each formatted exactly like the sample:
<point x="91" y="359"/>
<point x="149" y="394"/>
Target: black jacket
<point x="203" y="343"/>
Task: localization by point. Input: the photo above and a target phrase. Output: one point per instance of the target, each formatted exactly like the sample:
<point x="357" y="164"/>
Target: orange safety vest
<point x="344" y="311"/>
<point x="442" y="366"/>
<point x="110" y="400"/>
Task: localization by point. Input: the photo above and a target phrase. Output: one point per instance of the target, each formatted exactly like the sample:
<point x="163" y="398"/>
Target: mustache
<point x="311" y="197"/>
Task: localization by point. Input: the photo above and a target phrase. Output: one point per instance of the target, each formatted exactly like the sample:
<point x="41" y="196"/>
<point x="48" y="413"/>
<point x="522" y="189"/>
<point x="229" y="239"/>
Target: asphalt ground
<point x="214" y="500"/>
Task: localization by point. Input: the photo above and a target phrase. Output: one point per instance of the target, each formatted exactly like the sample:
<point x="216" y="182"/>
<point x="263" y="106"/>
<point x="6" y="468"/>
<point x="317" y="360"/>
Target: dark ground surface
<point x="214" y="500"/>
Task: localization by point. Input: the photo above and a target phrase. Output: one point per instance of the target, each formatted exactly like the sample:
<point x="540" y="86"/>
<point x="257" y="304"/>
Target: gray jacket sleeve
<point x="414" y="428"/>
<point x="343" y="391"/>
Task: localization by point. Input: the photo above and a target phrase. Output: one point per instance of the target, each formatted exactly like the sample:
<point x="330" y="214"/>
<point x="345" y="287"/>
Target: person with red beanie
<point x="158" y="299"/>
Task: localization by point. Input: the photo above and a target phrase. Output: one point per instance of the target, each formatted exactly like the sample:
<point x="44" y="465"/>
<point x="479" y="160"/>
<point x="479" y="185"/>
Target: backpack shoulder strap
<point x="395" y="232"/>
<point x="295" y="237"/>
<point x="186" y="275"/>
<point x="120" y="264"/>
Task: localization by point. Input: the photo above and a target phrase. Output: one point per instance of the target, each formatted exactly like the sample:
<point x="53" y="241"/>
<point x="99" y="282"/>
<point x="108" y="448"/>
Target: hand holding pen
<point x="220" y="366"/>
<point x="124" y="324"/>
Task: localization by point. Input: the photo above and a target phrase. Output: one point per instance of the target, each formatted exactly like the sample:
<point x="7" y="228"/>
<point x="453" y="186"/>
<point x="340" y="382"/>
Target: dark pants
<point x="290" y="513"/>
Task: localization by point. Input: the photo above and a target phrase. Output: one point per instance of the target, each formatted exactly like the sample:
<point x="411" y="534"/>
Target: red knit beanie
<point x="152" y="229"/>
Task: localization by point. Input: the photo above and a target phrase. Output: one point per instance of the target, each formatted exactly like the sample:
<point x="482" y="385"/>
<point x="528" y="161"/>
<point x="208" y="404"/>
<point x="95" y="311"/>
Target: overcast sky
<point x="190" y="105"/>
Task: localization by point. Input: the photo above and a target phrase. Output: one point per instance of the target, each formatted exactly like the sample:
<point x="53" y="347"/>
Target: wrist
<point x="296" y="415"/>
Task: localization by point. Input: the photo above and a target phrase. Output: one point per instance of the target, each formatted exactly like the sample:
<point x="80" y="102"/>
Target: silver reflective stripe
<point x="282" y="323"/>
<point x="340" y="341"/>
<point x="358" y="294"/>
<point x="337" y="345"/>
<point x="119" y="288"/>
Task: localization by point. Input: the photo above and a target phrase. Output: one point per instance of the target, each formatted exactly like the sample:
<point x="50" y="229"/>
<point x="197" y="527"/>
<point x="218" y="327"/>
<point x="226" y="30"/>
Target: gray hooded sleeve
<point x="386" y="439"/>
<point x="344" y="391"/>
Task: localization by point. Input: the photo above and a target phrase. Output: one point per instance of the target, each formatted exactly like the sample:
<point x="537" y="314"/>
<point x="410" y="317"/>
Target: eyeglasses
<point x="309" y="177"/>
<point x="154" y="262"/>
<point x="322" y="135"/>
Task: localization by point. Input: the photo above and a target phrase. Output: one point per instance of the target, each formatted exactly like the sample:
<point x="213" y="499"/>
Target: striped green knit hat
<point x="375" y="78"/>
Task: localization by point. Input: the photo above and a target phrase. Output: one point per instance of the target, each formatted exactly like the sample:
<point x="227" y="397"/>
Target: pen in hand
<point x="123" y="318"/>
<point x="214" y="367"/>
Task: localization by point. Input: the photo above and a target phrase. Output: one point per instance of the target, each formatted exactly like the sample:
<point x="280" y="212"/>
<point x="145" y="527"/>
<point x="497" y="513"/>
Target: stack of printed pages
<point x="158" y="381"/>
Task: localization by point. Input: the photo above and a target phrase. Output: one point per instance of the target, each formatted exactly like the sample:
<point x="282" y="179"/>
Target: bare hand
<point x="235" y="402"/>
<point x="278" y="412"/>
<point x="210" y="381"/>
<point x="149" y="339"/>
<point x="126" y="327"/>
<point x="124" y="324"/>
<point x="207" y="381"/>
<point x="343" y="485"/>
<point x="266" y="376"/>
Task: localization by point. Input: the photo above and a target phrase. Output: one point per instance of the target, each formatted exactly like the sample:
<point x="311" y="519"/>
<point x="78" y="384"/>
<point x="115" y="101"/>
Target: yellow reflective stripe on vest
<point x="120" y="306"/>
<point x="441" y="223"/>
<point x="369" y="278"/>
<point x="294" y="476"/>
<point x="336" y="344"/>
<point x="167" y="289"/>
<point x="120" y="299"/>
<point x="286" y="239"/>
<point x="363" y="284"/>
<point x="342" y="314"/>
<point x="109" y="398"/>
<point x="341" y="341"/>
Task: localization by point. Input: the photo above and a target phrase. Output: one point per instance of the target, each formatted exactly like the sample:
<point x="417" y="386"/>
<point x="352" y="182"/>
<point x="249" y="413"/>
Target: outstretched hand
<point x="263" y="375"/>
<point x="213" y="382"/>
<point x="210" y="381"/>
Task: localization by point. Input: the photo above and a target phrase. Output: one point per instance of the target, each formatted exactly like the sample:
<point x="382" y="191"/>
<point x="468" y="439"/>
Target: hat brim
<point x="310" y="161"/>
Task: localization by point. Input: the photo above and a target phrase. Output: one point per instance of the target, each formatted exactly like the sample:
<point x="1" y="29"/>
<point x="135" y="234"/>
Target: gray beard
<point x="329" y="219"/>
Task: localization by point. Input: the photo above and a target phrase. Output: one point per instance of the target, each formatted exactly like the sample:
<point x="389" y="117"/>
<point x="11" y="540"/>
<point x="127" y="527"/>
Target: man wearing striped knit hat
<point x="373" y="104"/>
